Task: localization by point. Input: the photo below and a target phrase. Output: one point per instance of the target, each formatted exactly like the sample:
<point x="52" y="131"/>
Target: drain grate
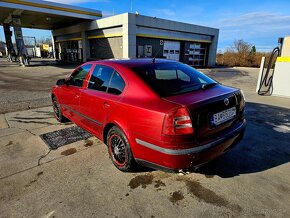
<point x="65" y="136"/>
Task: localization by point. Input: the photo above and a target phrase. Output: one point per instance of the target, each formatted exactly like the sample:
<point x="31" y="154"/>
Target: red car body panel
<point x="140" y="113"/>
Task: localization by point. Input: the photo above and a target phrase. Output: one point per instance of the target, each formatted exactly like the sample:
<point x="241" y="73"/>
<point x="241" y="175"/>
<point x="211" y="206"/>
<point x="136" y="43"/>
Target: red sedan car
<point x="156" y="113"/>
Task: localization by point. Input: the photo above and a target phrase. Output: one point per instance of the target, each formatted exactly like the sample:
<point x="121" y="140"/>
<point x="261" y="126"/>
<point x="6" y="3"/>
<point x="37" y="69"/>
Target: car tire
<point x="57" y="111"/>
<point x="120" y="151"/>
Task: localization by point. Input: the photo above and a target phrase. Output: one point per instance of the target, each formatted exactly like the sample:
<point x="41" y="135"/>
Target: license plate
<point x="223" y="116"/>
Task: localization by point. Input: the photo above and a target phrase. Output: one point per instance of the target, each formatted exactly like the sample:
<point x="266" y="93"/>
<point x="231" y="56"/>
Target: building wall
<point x="138" y="29"/>
<point x="106" y="48"/>
<point x="157" y="49"/>
<point x="183" y="32"/>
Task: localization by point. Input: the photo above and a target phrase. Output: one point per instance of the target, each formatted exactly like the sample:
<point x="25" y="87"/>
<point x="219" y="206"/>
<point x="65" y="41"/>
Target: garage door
<point x="171" y="50"/>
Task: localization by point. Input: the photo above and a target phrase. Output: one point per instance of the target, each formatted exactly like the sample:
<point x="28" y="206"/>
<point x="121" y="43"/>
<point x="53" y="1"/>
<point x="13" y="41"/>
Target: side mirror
<point x="60" y="82"/>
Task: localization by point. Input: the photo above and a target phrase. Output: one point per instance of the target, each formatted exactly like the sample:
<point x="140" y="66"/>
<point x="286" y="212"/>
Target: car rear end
<point x="206" y="121"/>
<point x="207" y="130"/>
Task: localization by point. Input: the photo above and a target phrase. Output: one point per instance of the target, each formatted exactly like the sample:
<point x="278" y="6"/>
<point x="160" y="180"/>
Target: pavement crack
<point x="31" y="132"/>
<point x="40" y="164"/>
<point x="43" y="156"/>
<point x="6" y="121"/>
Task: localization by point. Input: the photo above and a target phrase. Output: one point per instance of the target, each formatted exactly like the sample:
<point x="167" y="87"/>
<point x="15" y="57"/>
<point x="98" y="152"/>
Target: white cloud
<point x="163" y="13"/>
<point x="260" y="20"/>
<point x="259" y="28"/>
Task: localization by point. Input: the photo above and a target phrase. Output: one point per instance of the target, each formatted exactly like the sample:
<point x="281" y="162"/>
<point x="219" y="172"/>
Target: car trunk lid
<point x="203" y="104"/>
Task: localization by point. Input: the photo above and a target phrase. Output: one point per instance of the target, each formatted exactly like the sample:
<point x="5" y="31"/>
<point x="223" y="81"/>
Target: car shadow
<point x="266" y="144"/>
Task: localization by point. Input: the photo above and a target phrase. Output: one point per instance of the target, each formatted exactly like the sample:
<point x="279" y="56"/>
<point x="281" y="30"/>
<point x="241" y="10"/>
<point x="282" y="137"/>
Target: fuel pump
<point x="274" y="78"/>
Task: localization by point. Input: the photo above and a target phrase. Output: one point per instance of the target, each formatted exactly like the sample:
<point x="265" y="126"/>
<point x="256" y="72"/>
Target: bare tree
<point x="241" y="54"/>
<point x="242" y="47"/>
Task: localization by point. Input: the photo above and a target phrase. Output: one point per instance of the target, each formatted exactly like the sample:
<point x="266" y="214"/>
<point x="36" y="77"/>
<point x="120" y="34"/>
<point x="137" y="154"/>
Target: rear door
<point x="104" y="90"/>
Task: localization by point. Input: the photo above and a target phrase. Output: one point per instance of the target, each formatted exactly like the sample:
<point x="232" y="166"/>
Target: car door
<point x="70" y="93"/>
<point x="99" y="99"/>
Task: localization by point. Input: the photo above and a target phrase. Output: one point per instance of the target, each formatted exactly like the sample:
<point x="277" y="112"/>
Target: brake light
<point x="177" y="122"/>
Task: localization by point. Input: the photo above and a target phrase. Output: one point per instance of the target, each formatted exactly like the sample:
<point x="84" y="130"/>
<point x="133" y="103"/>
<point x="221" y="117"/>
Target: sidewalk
<point x="21" y="148"/>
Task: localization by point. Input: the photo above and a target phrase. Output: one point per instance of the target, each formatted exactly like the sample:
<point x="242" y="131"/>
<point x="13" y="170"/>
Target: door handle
<point x="106" y="105"/>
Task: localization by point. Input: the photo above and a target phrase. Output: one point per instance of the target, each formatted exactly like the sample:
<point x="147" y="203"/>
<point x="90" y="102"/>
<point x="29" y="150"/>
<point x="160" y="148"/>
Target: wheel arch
<point x="109" y="125"/>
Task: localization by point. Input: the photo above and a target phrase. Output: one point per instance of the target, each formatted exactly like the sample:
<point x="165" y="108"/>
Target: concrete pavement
<point x="79" y="180"/>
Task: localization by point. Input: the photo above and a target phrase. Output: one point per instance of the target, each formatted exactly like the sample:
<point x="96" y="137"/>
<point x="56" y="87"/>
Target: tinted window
<point x="79" y="75"/>
<point x="117" y="84"/>
<point x="100" y="78"/>
<point x="168" y="79"/>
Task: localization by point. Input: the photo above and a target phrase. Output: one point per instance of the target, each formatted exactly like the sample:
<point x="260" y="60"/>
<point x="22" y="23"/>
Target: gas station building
<point x="81" y="34"/>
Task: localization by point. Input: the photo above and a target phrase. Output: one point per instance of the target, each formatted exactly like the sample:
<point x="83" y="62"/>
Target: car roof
<point x="135" y="62"/>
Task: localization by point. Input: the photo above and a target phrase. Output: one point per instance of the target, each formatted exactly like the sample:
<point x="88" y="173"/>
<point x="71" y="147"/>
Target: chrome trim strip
<point x="182" y="126"/>
<point x="84" y="116"/>
<point x="191" y="150"/>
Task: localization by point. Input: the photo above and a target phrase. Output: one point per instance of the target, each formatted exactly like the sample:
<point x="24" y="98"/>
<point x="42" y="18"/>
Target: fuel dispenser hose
<point x="267" y="77"/>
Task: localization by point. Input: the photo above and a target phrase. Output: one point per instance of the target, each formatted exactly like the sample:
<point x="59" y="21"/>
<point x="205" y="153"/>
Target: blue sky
<point x="258" y="22"/>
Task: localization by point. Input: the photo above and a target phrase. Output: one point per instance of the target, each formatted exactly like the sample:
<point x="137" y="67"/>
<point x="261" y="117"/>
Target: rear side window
<point x="78" y="76"/>
<point x="117" y="84"/>
<point x="169" y="79"/>
<point x="100" y="78"/>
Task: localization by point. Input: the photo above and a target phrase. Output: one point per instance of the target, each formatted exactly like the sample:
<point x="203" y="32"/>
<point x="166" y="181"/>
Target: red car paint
<point x="141" y="114"/>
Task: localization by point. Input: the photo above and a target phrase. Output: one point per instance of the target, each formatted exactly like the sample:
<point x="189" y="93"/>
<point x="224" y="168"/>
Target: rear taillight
<point x="177" y="122"/>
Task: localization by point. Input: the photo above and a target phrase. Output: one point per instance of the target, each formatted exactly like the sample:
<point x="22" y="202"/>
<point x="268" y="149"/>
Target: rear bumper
<point x="175" y="159"/>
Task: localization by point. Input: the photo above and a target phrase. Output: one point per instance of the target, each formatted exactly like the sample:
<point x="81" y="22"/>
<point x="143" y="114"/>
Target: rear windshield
<point x="169" y="79"/>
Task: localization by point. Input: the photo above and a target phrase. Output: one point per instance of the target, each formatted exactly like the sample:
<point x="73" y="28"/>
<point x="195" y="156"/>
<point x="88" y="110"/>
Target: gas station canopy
<point x="44" y="14"/>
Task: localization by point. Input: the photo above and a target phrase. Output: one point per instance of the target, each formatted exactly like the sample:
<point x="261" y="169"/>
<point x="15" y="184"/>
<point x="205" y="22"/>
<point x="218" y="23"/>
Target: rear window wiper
<point x="207" y="85"/>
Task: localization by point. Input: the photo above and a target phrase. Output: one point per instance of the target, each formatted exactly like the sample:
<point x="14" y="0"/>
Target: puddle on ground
<point x="35" y="122"/>
<point x="159" y="184"/>
<point x="176" y="196"/>
<point x="9" y="143"/>
<point x="44" y="112"/>
<point x="32" y="118"/>
<point x="88" y="143"/>
<point x="204" y="194"/>
<point x="141" y="180"/>
<point x="69" y="151"/>
<point x="194" y="189"/>
<point x="30" y="183"/>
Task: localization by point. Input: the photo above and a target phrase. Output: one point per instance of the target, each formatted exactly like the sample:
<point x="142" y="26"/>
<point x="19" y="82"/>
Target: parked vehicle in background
<point x="156" y="113"/>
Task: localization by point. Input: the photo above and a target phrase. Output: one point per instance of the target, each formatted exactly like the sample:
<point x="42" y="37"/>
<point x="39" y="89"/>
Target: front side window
<point x="100" y="78"/>
<point x="79" y="75"/>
